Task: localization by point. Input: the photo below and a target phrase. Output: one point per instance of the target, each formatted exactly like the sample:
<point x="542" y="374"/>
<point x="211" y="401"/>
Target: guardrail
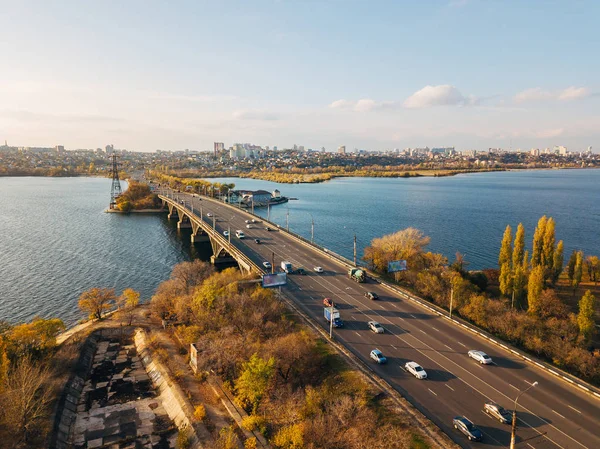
<point x="556" y="372"/>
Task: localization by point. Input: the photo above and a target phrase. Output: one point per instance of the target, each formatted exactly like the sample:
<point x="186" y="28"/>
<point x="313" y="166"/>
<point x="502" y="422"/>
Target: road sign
<point x="396" y="265"/>
<point x="274" y="280"/>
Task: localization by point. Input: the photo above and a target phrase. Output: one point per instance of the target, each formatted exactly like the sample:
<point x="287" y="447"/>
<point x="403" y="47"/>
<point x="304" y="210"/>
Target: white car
<point x="249" y="226"/>
<point x="416" y="370"/>
<point x="226" y="233"/>
<point x="267" y="265"/>
<point x="318" y="269"/>
<point x="253" y="220"/>
<point x="480" y="357"/>
<point x="375" y="327"/>
<point x="208" y="214"/>
<point x="247" y="221"/>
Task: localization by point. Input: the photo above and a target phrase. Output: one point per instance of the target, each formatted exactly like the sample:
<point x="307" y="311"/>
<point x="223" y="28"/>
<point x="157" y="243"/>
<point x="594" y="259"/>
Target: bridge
<point x="560" y="412"/>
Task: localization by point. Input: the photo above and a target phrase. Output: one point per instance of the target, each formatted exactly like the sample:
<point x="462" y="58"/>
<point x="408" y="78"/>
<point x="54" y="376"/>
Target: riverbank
<point x="139" y="211"/>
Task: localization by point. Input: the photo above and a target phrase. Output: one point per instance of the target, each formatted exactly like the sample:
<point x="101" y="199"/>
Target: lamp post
<point x="513" y="432"/>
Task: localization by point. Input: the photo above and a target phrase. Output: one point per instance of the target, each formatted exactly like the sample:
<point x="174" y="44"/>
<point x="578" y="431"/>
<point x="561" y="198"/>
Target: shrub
<point x="200" y="413"/>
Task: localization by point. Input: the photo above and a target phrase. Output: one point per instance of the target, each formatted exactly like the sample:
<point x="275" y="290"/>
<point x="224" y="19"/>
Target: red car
<point x="327" y="302"/>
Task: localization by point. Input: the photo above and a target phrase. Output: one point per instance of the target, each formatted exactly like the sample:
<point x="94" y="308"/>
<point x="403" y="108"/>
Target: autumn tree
<point x="127" y="302"/>
<point x="585" y="317"/>
<point x="557" y="264"/>
<point x="35" y="339"/>
<point x="407" y="244"/>
<point x="97" y="301"/>
<point x="519" y="281"/>
<point x="537" y="254"/>
<point x="505" y="255"/>
<point x="519" y="246"/>
<point x="254" y="380"/>
<point x="578" y="270"/>
<point x="548" y="243"/>
<point x="534" y="289"/>
<point x="592" y="264"/>
<point x="506" y="279"/>
<point x="571" y="266"/>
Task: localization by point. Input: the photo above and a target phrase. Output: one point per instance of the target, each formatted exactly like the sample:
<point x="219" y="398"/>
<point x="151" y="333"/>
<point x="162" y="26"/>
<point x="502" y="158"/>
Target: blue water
<point x="56" y="241"/>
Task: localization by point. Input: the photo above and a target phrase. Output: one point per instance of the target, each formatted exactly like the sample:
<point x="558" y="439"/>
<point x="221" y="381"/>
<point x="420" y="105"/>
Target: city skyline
<point x="469" y="74"/>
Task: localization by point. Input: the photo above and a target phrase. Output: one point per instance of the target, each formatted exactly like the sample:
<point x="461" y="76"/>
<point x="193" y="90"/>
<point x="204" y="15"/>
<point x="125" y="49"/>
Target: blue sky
<point x="146" y="75"/>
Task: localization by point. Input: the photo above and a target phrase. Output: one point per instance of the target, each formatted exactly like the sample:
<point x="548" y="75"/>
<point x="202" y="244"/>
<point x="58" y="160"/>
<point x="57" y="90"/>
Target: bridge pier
<point x="183" y="224"/>
<point x="200" y="238"/>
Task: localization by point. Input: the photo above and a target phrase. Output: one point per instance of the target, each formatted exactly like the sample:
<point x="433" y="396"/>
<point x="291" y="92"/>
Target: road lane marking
<point x="423" y="331"/>
<point x="513" y="386"/>
<point x="394" y="347"/>
<point x="353" y="317"/>
<point x="558" y="413"/>
<point x="449" y="387"/>
<point x="530" y="446"/>
<point x="358" y="334"/>
<point x="433" y="392"/>
<point x="412" y="315"/>
<point x="573" y="408"/>
<point x="448" y="347"/>
<point x="402" y="368"/>
<point x="461" y="344"/>
<point x="394" y="305"/>
<point x="435" y="328"/>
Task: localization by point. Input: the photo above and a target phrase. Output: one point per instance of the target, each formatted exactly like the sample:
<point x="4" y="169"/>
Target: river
<point x="56" y="241"/>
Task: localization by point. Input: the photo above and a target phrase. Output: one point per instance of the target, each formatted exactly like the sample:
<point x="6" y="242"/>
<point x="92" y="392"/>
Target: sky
<point x="148" y="75"/>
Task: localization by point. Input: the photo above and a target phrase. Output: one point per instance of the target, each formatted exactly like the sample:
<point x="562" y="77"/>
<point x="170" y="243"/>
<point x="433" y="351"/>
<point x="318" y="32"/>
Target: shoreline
<point x="138" y="211"/>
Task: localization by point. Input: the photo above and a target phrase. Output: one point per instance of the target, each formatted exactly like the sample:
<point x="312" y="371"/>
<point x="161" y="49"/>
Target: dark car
<point x="498" y="412"/>
<point x="267" y="228"/>
<point x="301" y="271"/>
<point x="256" y="240"/>
<point x="468" y="428"/>
<point x="371" y="295"/>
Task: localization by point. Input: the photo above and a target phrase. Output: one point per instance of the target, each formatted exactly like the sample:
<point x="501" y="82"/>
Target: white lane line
<point x="402" y="368"/>
<point x="394" y="347"/>
<point x="558" y="414"/>
<point x="394" y="305"/>
<point x="412" y="315"/>
<point x="448" y="347"/>
<point x="432" y="392"/>
<point x="423" y="331"/>
<point x="461" y="344"/>
<point x="449" y="387"/>
<point x="353" y="317"/>
<point x="573" y="408"/>
<point x="530" y="446"/>
<point x="299" y="288"/>
<point x="435" y="328"/>
<point x="513" y="386"/>
<point x="358" y="334"/>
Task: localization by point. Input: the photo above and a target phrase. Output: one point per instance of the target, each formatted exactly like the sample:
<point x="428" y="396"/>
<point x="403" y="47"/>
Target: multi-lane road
<point x="552" y="415"/>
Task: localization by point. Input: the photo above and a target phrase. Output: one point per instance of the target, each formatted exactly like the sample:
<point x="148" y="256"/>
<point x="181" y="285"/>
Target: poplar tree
<point x="538" y="242"/>
<point x="505" y="248"/>
<point x="519" y="247"/>
<point x="557" y="264"/>
<point x="585" y="317"/>
<point x="571" y="265"/>
<point x="519" y="280"/>
<point x="505" y="279"/>
<point x="578" y="272"/>
<point x="548" y="244"/>
<point x="534" y="289"/>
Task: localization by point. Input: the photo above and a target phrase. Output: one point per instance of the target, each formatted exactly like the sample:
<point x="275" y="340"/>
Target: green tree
<point x="534" y="289"/>
<point x="519" y="247"/>
<point x="537" y="255"/>
<point x="97" y="301"/>
<point x="585" y="317"/>
<point x="578" y="271"/>
<point x="571" y="265"/>
<point x="557" y="264"/>
<point x="548" y="244"/>
<point x="506" y="279"/>
<point x="254" y="381"/>
<point x="505" y="248"/>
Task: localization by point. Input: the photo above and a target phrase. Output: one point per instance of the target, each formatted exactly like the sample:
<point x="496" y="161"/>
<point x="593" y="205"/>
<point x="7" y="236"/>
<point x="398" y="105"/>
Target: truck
<point x="357" y="274"/>
<point x="329" y="312"/>
<point x="286" y="266"/>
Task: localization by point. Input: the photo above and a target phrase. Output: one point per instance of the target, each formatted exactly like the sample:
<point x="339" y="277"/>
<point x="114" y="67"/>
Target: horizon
<point x="462" y="73"/>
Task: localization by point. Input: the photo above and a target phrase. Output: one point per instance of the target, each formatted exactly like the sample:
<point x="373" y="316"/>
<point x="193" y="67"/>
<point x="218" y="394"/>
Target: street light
<point x="513" y="432"/>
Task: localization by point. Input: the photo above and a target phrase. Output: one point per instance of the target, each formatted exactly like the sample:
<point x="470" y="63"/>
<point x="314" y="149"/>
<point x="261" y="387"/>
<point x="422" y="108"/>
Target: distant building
<point x="59" y="148"/>
<point x="341" y="149"/>
<point x="535" y="152"/>
<point x="219" y="147"/>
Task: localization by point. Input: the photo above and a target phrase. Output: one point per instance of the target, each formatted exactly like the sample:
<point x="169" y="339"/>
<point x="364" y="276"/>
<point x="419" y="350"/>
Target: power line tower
<point x="115" y="189"/>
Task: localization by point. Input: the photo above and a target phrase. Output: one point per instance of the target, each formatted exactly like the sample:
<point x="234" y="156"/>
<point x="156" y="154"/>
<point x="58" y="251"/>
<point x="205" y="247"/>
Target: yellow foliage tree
<point x="97" y="301"/>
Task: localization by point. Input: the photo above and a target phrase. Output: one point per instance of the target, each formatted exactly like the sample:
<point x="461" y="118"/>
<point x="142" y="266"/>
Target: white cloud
<point x="362" y="105"/>
<point x="442" y="95"/>
<point x="573" y="93"/>
<point x="548" y="133"/>
<point x="539" y="94"/>
<point x="255" y="115"/>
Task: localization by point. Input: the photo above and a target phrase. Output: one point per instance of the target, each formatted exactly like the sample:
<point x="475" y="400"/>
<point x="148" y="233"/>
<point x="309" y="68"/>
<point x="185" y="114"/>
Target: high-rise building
<point x="342" y="149"/>
<point x="219" y="147"/>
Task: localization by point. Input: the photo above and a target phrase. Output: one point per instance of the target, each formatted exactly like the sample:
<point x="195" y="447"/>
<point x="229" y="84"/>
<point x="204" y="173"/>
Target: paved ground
<point x="119" y="408"/>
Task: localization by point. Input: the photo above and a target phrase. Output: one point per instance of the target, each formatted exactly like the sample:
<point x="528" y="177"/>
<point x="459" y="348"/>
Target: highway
<point x="551" y="415"/>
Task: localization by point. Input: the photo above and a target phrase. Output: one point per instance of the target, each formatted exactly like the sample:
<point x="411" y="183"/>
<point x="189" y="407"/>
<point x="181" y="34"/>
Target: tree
<point x="537" y="255"/>
<point x="592" y="264"/>
<point x="407" y="244"/>
<point x="557" y="264"/>
<point x="191" y="274"/>
<point x="254" y="381"/>
<point x="35" y="339"/>
<point x="506" y="279"/>
<point x="585" y="317"/>
<point x="505" y="248"/>
<point x="519" y="246"/>
<point x="128" y="301"/>
<point x="571" y="266"/>
<point x="548" y="244"/>
<point x="26" y="398"/>
<point x="578" y="270"/>
<point x="97" y="301"/>
<point x="519" y="281"/>
<point x="534" y="289"/>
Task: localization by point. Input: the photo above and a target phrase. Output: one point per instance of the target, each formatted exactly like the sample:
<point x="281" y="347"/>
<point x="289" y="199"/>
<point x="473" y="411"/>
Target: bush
<point x="200" y="413"/>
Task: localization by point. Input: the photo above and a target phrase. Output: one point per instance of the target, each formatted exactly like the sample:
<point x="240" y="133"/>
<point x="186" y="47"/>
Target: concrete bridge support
<point x="198" y="234"/>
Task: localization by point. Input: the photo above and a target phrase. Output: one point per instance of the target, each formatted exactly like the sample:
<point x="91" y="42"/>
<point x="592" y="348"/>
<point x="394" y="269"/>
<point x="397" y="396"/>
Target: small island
<point x="138" y="198"/>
